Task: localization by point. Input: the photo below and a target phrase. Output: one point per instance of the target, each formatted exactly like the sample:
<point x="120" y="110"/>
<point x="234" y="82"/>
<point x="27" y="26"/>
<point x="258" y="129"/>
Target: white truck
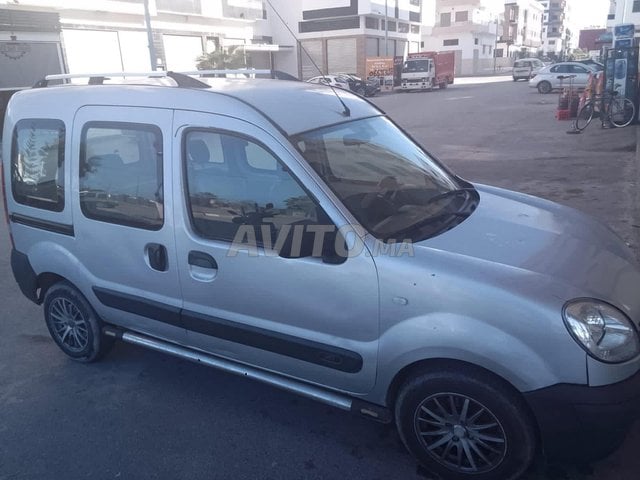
<point x="426" y="70"/>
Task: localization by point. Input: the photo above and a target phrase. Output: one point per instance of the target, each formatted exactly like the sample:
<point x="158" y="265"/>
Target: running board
<point x="315" y="393"/>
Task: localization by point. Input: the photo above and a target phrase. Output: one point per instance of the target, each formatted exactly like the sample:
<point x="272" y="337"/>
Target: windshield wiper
<point x="452" y="193"/>
<point x="402" y="234"/>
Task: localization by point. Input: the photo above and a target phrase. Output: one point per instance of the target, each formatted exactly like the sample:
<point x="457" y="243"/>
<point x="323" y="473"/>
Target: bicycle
<point x="613" y="110"/>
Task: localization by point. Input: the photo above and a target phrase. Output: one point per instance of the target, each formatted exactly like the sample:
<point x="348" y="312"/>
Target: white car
<point x="526" y="68"/>
<point x="333" y="80"/>
<point x="561" y="75"/>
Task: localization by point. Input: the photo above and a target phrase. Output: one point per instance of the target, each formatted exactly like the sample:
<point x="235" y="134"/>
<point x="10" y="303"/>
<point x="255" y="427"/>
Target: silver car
<point x="560" y="75"/>
<point x="297" y="236"/>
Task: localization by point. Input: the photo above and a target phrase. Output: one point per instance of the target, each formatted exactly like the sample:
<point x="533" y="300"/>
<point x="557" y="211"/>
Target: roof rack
<point x="182" y="79"/>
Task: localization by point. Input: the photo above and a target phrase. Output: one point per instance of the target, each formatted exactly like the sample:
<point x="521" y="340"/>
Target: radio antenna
<point x="346" y="112"/>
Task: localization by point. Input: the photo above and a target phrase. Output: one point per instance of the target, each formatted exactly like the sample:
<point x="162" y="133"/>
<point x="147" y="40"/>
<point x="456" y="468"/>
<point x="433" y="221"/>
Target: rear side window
<point x="37" y="163"/>
<point x="121" y="174"/>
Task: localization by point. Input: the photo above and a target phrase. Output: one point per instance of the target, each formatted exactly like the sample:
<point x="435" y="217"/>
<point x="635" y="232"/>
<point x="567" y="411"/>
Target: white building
<point x="110" y="35"/>
<point x="559" y="36"/>
<point x="624" y="11"/>
<point x="471" y="29"/>
<point x="521" y="35"/>
<point x="339" y="35"/>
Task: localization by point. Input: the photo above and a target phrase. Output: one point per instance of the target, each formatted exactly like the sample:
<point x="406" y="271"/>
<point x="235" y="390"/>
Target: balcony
<point x="464" y="27"/>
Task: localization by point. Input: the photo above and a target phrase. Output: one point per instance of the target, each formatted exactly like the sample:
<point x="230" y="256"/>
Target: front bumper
<point x="582" y="423"/>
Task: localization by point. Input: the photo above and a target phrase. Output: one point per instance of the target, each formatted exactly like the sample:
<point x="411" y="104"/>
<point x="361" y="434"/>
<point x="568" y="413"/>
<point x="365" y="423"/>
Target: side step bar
<point x="315" y="393"/>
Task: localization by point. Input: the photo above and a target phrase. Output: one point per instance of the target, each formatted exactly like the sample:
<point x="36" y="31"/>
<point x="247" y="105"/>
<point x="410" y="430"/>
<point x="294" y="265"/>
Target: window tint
<point x="561" y="69"/>
<point x="121" y="174"/>
<point x="579" y="69"/>
<point x="37" y="164"/>
<point x="248" y="188"/>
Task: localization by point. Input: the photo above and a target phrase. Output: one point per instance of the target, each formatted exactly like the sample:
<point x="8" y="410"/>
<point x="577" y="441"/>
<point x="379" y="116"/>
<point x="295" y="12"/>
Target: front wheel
<point x="465" y="425"/>
<point x="622" y="112"/>
<point x="584" y="117"/>
<point x="544" y="87"/>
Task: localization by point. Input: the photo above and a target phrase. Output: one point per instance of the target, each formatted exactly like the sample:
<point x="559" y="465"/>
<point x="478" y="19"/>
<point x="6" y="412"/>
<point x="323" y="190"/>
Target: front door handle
<point x="202" y="260"/>
<point x="202" y="266"/>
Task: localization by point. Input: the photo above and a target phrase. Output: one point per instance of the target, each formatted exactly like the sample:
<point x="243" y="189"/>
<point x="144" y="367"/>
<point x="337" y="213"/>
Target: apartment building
<point x="470" y="28"/>
<point x="624" y="11"/>
<point x="336" y="35"/>
<point x="558" y="34"/>
<point x="521" y="35"/>
<point x="339" y="35"/>
<point x="110" y="35"/>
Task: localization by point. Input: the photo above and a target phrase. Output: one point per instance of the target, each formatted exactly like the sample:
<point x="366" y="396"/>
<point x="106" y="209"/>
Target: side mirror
<point x="300" y="242"/>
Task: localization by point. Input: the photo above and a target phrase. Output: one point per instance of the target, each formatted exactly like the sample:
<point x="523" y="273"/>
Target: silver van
<point x="526" y="68"/>
<point x="295" y="235"/>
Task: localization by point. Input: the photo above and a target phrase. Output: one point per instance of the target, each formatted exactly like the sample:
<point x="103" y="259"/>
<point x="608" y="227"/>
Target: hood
<point x="539" y="236"/>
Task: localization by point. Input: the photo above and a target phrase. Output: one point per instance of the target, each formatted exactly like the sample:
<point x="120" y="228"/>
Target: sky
<point x="587" y="13"/>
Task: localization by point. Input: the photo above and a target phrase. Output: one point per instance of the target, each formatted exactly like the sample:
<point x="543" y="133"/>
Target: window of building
<point x="415" y="2"/>
<point x="462" y="16"/>
<point x="37" y="163"/>
<point x="415" y="17"/>
<point x="552" y="42"/>
<point x="636" y="6"/>
<point x="121" y="174"/>
<point x="180" y="6"/>
<point x="370" y="22"/>
<point x="392" y="26"/>
<point x="248" y="189"/>
<point x="445" y="19"/>
<point x="476" y="41"/>
<point x="450" y="43"/>
<point x="415" y="28"/>
<point x="403" y="27"/>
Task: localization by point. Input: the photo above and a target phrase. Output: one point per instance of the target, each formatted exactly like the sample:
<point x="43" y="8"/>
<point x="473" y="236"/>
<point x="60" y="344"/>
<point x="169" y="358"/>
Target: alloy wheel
<point x="69" y="324"/>
<point x="460" y="433"/>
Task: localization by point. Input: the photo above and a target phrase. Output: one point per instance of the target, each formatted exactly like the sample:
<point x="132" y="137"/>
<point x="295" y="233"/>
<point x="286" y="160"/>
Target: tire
<point x="544" y="87"/>
<point x="443" y="85"/>
<point x="585" y="115"/>
<point x="73" y="324"/>
<point x="515" y="79"/>
<point x="430" y="417"/>
<point x="622" y="112"/>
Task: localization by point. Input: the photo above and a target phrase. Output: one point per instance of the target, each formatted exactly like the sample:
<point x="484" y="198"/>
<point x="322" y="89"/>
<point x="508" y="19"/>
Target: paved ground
<point x="139" y="414"/>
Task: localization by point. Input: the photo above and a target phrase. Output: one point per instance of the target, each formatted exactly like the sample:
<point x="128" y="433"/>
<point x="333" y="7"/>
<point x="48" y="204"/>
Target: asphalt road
<point x="139" y="414"/>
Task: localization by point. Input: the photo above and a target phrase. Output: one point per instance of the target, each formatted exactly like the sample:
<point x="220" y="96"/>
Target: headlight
<point x="602" y="330"/>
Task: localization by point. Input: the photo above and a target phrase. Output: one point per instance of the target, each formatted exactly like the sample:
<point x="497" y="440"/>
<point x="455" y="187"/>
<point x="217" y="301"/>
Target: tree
<point x="221" y="59"/>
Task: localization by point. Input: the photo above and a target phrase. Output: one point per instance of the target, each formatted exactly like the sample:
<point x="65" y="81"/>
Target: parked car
<point x="595" y="65"/>
<point x="333" y="80"/>
<point x="526" y="68"/>
<point x="362" y="87"/>
<point x="202" y="222"/>
<point x="561" y="75"/>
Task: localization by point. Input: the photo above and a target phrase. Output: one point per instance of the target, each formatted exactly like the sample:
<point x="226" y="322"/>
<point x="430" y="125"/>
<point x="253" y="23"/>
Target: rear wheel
<point x="465" y="425"/>
<point x="622" y="112"/>
<point x="585" y="115"/>
<point x="544" y="87"/>
<point x="73" y="324"/>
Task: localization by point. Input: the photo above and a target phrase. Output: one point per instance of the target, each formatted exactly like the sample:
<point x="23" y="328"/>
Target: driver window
<point x="233" y="181"/>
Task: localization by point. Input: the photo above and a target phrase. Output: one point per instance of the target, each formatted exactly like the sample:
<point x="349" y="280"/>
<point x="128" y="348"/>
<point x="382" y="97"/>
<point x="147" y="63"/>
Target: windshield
<point x="385" y="180"/>
<point x="416" y="66"/>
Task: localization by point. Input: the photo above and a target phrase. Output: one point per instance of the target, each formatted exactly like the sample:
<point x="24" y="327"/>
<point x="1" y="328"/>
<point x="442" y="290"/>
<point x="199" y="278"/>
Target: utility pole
<point x="495" y="45"/>
<point x="386" y="30"/>
<point x="152" y="49"/>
